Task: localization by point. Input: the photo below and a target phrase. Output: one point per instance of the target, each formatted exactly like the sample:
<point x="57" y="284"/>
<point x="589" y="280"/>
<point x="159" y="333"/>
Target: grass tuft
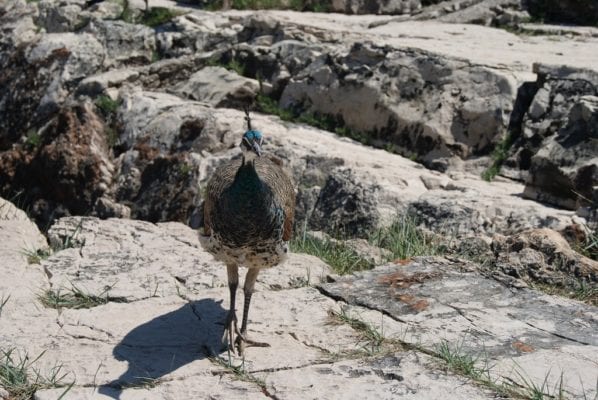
<point x="405" y="240"/>
<point x="106" y="104"/>
<point x="21" y="380"/>
<point x="499" y="155"/>
<point x="157" y="16"/>
<point x="76" y="298"/>
<point x="372" y="338"/>
<point x="3" y="301"/>
<point x="462" y="363"/>
<point x="339" y="256"/>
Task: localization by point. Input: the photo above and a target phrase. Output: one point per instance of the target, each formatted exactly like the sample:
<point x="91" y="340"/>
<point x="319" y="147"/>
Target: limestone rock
<point x="564" y="171"/>
<point x="219" y="87"/>
<point x="515" y="329"/>
<point x="544" y="256"/>
<point x="345" y="206"/>
<point x="414" y="101"/>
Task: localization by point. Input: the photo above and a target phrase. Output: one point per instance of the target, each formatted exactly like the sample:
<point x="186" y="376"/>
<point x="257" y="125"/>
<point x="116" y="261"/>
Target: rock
<point x="565" y="169"/>
<point x="58" y="16"/>
<point x="474" y="315"/>
<point x="396" y="97"/>
<point x="125" y="44"/>
<point x="543" y="255"/>
<point x="345" y="206"/>
<point x="66" y="170"/>
<point x="18" y="235"/>
<point x="364" y="7"/>
<point x="4" y="394"/>
<point x="219" y="87"/>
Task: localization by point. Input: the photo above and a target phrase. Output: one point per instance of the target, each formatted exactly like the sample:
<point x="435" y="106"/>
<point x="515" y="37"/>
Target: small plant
<point x="372" y="338"/>
<point x="156" y="16"/>
<point x="590" y="247"/>
<point x="460" y="362"/>
<point x="34" y="139"/>
<point x="70" y="240"/>
<point x="107" y="105"/>
<point x="21" y="380"/>
<point x="3" y="301"/>
<point x="76" y="298"/>
<point x="36" y="256"/>
<point x="404" y="240"/>
<point x="339" y="256"/>
<point x="239" y="372"/>
<point x="499" y="155"/>
<point x="300" y="281"/>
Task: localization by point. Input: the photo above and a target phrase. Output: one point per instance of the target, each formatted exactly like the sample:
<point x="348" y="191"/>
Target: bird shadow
<point x="166" y="343"/>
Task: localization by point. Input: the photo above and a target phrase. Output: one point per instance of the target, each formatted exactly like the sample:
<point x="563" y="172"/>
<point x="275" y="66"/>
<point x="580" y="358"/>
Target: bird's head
<point x="251" y="144"/>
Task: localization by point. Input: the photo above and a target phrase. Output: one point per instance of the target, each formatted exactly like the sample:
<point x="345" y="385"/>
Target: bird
<point x="248" y="221"/>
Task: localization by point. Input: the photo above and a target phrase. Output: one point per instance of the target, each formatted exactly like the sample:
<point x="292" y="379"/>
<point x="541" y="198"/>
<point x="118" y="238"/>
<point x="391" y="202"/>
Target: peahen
<point x="248" y="221"/>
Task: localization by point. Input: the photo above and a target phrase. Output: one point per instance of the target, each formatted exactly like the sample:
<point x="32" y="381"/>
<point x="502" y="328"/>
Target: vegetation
<point x="297" y="5"/>
<point x="582" y="292"/>
<point x="371" y="337"/>
<point x="76" y="298"/>
<point x="268" y="105"/>
<point x="107" y="105"/>
<point x="21" y="380"/>
<point x="338" y="255"/>
<point x="156" y="16"/>
<point x="3" y="301"/>
<point x="589" y="248"/>
<point x="405" y="240"/>
<point x="500" y="154"/>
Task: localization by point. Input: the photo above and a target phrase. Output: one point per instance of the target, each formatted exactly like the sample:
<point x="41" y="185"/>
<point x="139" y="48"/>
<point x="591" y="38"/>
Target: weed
<point x="34" y="139"/>
<point x="107" y="105"/>
<point x="373" y="339"/>
<point x="460" y="362"/>
<point x="239" y="372"/>
<point x="499" y="155"/>
<point x="156" y="16"/>
<point x="404" y="240"/>
<point x="76" y="298"/>
<point x="582" y="291"/>
<point x="590" y="247"/>
<point x="70" y="240"/>
<point x="36" y="256"/>
<point x="300" y="281"/>
<point x="21" y="380"/>
<point x="3" y="301"/>
<point x="339" y="256"/>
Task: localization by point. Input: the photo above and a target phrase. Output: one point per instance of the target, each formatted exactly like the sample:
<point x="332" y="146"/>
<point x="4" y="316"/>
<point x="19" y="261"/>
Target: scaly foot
<point x="241" y="342"/>
<point x="230" y="329"/>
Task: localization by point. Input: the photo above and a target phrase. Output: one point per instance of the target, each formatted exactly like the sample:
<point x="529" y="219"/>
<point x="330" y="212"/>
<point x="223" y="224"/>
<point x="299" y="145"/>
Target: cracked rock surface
<point x="158" y="335"/>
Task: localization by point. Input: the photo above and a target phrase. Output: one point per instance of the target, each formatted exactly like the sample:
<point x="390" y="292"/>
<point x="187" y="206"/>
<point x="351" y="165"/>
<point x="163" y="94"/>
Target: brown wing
<point x="272" y="172"/>
<point x="222" y="178"/>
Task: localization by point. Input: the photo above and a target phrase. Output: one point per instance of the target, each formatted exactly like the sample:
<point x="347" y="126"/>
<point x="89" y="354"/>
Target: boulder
<point x="66" y="170"/>
<point x="414" y="102"/>
<point x="564" y="171"/>
<point x="346" y="206"/>
<point x="543" y="256"/>
<point x="219" y="87"/>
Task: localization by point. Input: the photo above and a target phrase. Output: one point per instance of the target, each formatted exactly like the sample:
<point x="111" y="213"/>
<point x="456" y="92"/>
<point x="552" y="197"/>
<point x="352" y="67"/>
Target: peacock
<point x="248" y="221"/>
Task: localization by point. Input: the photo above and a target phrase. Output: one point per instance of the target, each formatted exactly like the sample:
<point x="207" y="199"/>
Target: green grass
<point x="404" y="240"/>
<point x="590" y="247"/>
<point x="339" y="256"/>
<point x="458" y="361"/>
<point x="157" y="16"/>
<point x="581" y="292"/>
<point x="3" y="301"/>
<point x="22" y="380"/>
<point x="371" y="337"/>
<point x="268" y="105"/>
<point x="239" y="372"/>
<point x="34" y="139"/>
<point x="107" y="105"/>
<point x="499" y="155"/>
<point x="76" y="298"/>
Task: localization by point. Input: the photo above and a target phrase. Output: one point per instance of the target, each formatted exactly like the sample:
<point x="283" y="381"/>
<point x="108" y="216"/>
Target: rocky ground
<point x="112" y="123"/>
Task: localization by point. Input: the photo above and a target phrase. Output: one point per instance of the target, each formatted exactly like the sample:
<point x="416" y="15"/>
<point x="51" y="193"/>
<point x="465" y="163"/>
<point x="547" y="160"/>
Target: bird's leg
<point x="242" y="339"/>
<point x="230" y="325"/>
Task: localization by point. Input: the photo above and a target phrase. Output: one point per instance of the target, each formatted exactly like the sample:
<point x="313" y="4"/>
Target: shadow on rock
<point x="166" y="343"/>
